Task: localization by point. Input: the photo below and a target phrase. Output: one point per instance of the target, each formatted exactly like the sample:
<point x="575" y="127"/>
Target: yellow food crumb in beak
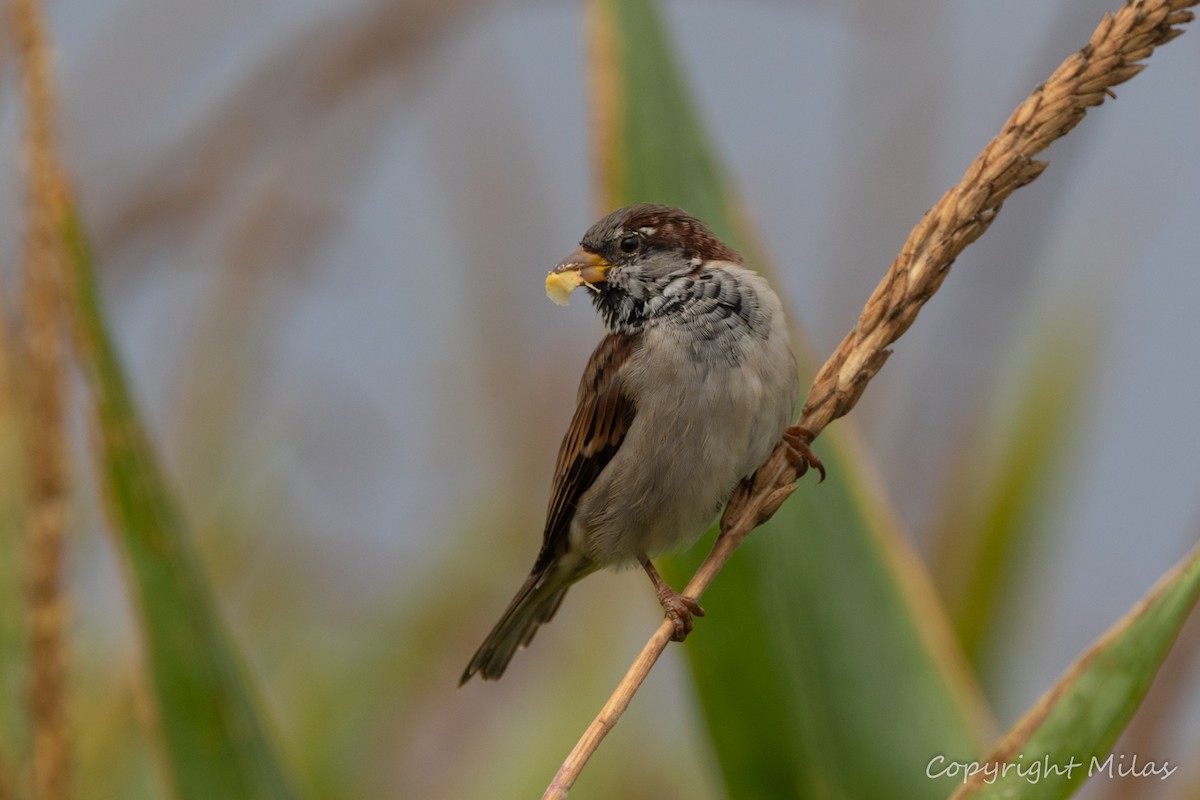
<point x="559" y="285"/>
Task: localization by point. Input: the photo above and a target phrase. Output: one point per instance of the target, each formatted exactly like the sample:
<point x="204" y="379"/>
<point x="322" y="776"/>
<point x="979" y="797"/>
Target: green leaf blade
<point x="862" y="689"/>
<point x="216" y="739"/>
<point x="1073" y="725"/>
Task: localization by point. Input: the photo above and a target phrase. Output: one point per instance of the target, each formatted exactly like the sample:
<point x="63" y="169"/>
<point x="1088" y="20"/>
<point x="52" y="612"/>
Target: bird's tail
<point x="535" y="604"/>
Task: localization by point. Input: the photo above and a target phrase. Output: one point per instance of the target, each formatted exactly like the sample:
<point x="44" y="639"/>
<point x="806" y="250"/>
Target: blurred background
<point x="322" y="230"/>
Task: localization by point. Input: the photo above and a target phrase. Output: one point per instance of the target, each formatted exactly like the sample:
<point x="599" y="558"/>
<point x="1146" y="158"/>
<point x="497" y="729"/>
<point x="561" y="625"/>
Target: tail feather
<point x="534" y="605"/>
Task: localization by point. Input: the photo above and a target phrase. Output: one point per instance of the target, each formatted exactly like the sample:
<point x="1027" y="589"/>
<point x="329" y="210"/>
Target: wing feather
<point x="602" y="418"/>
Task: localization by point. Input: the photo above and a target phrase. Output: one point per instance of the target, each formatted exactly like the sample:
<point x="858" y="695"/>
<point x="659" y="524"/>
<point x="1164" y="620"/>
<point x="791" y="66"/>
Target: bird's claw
<point x="800" y="454"/>
<point x="679" y="609"/>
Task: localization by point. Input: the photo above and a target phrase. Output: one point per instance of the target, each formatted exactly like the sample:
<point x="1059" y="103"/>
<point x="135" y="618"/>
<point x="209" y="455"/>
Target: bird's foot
<point x="800" y="454"/>
<point x="679" y="608"/>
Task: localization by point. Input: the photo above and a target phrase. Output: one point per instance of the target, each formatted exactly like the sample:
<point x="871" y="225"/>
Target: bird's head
<point x="630" y="258"/>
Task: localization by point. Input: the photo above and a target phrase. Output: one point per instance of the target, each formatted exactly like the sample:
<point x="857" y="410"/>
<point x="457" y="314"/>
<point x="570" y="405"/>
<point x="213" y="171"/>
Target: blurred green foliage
<point x="827" y="666"/>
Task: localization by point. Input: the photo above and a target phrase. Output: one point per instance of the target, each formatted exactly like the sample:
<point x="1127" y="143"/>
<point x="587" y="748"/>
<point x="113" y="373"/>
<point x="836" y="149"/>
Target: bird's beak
<point x="581" y="268"/>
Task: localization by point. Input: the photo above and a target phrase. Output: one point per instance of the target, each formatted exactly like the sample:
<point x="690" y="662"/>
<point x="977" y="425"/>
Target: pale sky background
<point x="323" y="229"/>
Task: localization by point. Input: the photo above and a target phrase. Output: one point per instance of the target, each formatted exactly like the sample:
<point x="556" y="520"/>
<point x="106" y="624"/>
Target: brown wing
<point x="603" y="415"/>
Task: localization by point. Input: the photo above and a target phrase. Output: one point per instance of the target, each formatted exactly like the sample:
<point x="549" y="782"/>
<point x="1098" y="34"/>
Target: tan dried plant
<point x="45" y="442"/>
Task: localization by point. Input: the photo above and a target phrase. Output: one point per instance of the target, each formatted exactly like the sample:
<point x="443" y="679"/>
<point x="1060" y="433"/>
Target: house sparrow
<point x="685" y="397"/>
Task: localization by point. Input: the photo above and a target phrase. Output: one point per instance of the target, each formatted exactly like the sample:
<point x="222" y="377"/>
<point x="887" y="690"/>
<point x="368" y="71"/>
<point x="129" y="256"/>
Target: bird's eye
<point x="630" y="244"/>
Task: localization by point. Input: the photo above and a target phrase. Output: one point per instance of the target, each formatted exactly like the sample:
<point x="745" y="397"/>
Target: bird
<point x="687" y="394"/>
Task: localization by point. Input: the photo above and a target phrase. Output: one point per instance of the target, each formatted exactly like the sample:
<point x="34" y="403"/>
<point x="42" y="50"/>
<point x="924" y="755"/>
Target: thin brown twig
<point x="959" y="218"/>
<point x="45" y="438"/>
<point x="10" y="466"/>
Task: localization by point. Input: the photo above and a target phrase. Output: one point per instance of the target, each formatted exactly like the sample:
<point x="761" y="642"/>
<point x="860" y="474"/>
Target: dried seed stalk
<point x="45" y="438"/>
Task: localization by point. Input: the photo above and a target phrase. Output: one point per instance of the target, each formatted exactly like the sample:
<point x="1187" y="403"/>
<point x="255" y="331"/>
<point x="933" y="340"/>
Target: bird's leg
<point x="798" y="438"/>
<point x="679" y="608"/>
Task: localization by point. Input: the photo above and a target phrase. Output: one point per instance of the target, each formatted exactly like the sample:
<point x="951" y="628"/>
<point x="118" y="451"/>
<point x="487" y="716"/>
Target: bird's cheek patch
<point x="559" y="285"/>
